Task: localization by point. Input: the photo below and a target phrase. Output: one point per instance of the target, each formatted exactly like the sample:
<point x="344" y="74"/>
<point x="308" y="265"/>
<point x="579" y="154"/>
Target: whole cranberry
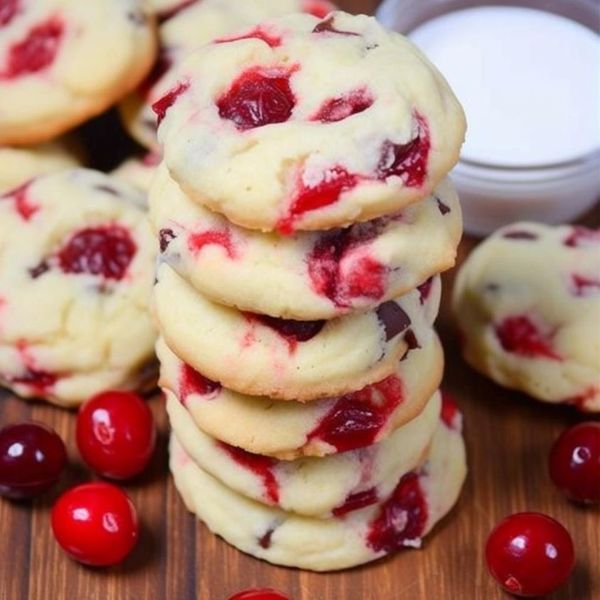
<point x="259" y="594"/>
<point x="530" y="554"/>
<point x="574" y="462"/>
<point x="95" y="523"/>
<point x="116" y="434"/>
<point x="32" y="458"/>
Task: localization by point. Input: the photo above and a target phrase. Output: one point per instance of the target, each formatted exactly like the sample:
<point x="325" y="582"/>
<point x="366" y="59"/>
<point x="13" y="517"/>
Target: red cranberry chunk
<point x="451" y="415"/>
<point x="356" y="419"/>
<point x="106" y="251"/>
<point x="258" y="98"/>
<point x="258" y="34"/>
<point x="39" y="381"/>
<point x="328" y="26"/>
<point x="160" y="107"/>
<point x="261" y="466"/>
<point x="8" y="10"/>
<point x="23" y="205"/>
<point x="338" y="109"/>
<point x="356" y="501"/>
<point x="36" y="51"/>
<point x="425" y="290"/>
<point x="407" y="161"/>
<point x="192" y="382"/>
<point x="401" y="519"/>
<point x="584" y="286"/>
<point x="520" y="335"/>
<point x="582" y="237"/>
<point x="197" y="241"/>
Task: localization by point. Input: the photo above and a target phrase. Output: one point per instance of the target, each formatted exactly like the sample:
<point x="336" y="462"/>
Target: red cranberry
<point x="160" y="107"/>
<point x="338" y="109"/>
<point x="192" y="382"/>
<point x="520" y="335"/>
<point x="106" y="251"/>
<point x="317" y="8"/>
<point x="8" y="10"/>
<point x="36" y="51"/>
<point x="262" y="594"/>
<point x="258" y="34"/>
<point x="258" y="98"/>
<point x="575" y="462"/>
<point x="116" y="434"/>
<point x="32" y="458"/>
<point x="95" y="523"/>
<point x="530" y="554"/>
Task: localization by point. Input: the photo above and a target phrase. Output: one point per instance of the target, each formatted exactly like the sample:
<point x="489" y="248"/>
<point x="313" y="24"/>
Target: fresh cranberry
<point x="36" y="51"/>
<point x="160" y="107"/>
<point x="262" y="594"/>
<point x="116" y="434"/>
<point x="407" y="161"/>
<point x="257" y="98"/>
<point x="95" y="523"/>
<point x="575" y="462"/>
<point x="32" y="458"/>
<point x="520" y="335"/>
<point x="106" y="250"/>
<point x="338" y="109"/>
<point x="530" y="554"/>
<point x="8" y="10"/>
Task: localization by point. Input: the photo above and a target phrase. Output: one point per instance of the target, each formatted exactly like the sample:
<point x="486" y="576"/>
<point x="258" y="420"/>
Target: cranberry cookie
<point x="310" y="275"/>
<point x="291" y="360"/>
<point x="302" y="124"/>
<point x="527" y="303"/>
<point x="184" y="25"/>
<point x="288" y="430"/>
<point x="76" y="273"/>
<point x="358" y="534"/>
<point x="63" y="61"/>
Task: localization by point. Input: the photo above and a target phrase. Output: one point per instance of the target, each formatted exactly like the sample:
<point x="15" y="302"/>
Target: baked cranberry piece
<point x="317" y="8"/>
<point x="530" y="554"/>
<point x="356" y="501"/>
<point x="451" y="415"/>
<point x="160" y="107"/>
<point x="574" y="462"/>
<point x="582" y="237"/>
<point x="197" y="241"/>
<point x="583" y="286"/>
<point x="407" y="161"/>
<point x="328" y="26"/>
<point x="338" y="109"/>
<point x="8" y="10"/>
<point x="116" y="434"/>
<point x="36" y="51"/>
<point x="257" y="98"/>
<point x="262" y="466"/>
<point x="32" y="459"/>
<point x="96" y="524"/>
<point x="259" y="594"/>
<point x="105" y="250"/>
<point x="23" y="204"/>
<point x="192" y="382"/>
<point x="401" y="519"/>
<point x="38" y="381"/>
<point x="258" y="33"/>
<point x="520" y="335"/>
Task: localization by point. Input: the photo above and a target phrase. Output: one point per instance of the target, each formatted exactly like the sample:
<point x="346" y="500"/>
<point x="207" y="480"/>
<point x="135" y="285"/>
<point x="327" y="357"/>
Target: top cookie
<point x="185" y="25"/>
<point x="62" y="61"/>
<point x="303" y="124"/>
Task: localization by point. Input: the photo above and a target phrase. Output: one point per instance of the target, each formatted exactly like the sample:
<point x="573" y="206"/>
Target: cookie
<point x="418" y="501"/>
<point x="288" y="430"/>
<point x="64" y="61"/>
<point x="527" y="302"/>
<point x="286" y="359"/>
<point x="184" y="25"/>
<point x="18" y="165"/>
<point x="304" y="124"/>
<point x="318" y="487"/>
<point x="138" y="171"/>
<point x="311" y="275"/>
<point x="76" y="273"/>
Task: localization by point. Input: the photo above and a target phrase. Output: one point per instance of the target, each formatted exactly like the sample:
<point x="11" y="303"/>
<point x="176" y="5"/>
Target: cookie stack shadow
<point x="302" y="376"/>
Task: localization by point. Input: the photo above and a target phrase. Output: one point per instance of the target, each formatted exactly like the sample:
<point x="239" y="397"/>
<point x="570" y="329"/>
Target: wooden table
<point x="508" y="437"/>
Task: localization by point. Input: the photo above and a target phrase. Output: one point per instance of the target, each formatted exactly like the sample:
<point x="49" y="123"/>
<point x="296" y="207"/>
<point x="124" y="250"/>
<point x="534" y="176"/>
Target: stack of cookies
<point x="303" y="220"/>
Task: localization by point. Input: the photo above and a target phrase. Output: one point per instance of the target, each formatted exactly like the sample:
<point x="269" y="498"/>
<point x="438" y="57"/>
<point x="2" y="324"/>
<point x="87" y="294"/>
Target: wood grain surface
<point x="508" y="437"/>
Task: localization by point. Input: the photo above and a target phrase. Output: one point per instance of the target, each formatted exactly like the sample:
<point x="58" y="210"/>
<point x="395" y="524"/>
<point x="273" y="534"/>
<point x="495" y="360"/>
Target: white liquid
<point x="529" y="82"/>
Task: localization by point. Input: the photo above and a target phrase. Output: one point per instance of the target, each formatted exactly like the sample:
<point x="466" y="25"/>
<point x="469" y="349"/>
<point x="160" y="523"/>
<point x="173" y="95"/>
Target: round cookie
<point x="289" y="430"/>
<point x="184" y="25"/>
<point x="311" y="275"/>
<point x="139" y="171"/>
<point x="285" y="359"/>
<point x="318" y="487"/>
<point x="64" y="61"/>
<point x="527" y="302"/>
<point x="18" y="165"/>
<point x="76" y="273"/>
<point x="302" y="124"/>
<point x="419" y="500"/>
